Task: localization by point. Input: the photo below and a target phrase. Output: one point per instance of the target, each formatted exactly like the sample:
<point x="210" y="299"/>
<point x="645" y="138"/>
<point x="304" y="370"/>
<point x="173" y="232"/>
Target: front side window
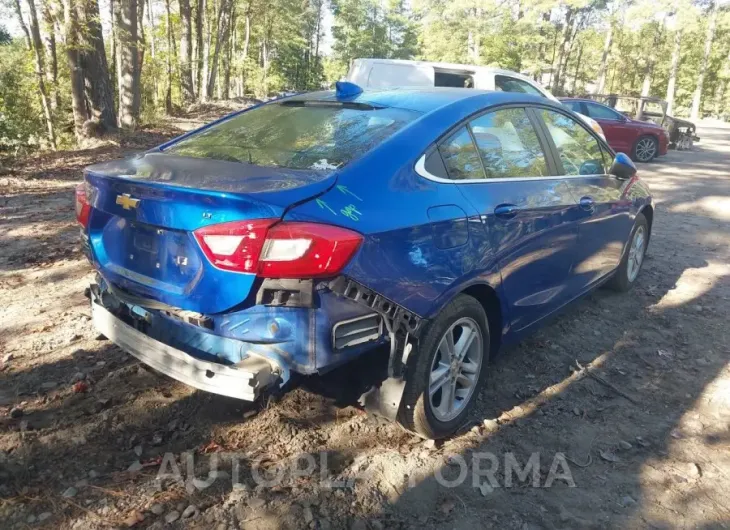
<point x="508" y="144"/>
<point x="460" y="156"/>
<point x="599" y="112"/>
<point x="296" y="135"/>
<point x="511" y="84"/>
<point x="579" y="151"/>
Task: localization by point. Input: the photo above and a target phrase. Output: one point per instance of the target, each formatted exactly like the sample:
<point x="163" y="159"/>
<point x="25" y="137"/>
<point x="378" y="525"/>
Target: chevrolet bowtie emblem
<point x="127" y="202"/>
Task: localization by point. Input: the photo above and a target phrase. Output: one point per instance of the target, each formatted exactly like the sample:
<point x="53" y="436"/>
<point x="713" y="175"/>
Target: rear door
<point x="605" y="220"/>
<point x="500" y="163"/>
<point x="620" y="135"/>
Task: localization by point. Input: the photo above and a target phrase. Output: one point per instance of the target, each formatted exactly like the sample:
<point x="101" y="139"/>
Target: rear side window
<point x="579" y="151"/>
<point x="460" y="156"/>
<point x="315" y="135"/>
<point x="451" y="79"/>
<point x="508" y="144"/>
<point x="511" y="84"/>
<point x="599" y="112"/>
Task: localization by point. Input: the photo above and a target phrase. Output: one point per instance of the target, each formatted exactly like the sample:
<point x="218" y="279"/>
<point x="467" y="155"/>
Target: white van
<point x="389" y="73"/>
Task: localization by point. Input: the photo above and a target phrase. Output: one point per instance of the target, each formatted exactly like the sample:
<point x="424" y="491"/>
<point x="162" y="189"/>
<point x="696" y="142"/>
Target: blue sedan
<point x="300" y="234"/>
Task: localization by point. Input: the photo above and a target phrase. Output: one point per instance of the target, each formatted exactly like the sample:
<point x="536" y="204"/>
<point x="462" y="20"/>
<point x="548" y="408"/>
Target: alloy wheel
<point x="645" y="149"/>
<point x="636" y="253"/>
<point x="455" y="369"/>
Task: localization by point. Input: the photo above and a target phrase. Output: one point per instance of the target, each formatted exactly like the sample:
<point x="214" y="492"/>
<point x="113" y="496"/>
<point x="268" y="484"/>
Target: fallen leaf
<point x="608" y="456"/>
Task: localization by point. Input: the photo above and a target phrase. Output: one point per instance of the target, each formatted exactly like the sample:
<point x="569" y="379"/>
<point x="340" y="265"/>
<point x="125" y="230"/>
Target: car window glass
<point x="572" y="105"/>
<point x="460" y="156"/>
<point x="579" y="151"/>
<point x="295" y="134"/>
<point x="599" y="112"/>
<point x="508" y="144"/>
<point x="510" y="84"/>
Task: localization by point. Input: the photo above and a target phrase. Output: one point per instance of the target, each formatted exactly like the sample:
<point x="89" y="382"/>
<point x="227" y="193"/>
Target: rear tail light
<point x="283" y="250"/>
<point x="83" y="209"/>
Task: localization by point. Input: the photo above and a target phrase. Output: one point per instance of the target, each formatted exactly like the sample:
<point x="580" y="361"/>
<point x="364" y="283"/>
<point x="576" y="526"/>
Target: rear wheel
<point x="645" y="149"/>
<point x="448" y="371"/>
<point x="628" y="269"/>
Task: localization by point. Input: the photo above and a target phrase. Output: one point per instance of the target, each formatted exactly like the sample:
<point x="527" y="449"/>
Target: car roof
<point x="422" y="99"/>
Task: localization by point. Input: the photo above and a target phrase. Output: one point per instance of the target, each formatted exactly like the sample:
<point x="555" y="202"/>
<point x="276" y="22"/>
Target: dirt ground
<point x="84" y="428"/>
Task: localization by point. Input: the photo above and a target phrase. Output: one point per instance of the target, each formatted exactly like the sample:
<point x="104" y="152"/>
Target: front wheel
<point x="448" y="371"/>
<point x="628" y="269"/>
<point x="645" y="149"/>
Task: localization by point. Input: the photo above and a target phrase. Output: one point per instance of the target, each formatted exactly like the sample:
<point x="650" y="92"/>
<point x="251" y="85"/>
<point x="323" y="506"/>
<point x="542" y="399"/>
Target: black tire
<point x="416" y="412"/>
<point x="645" y="149"/>
<point x="622" y="280"/>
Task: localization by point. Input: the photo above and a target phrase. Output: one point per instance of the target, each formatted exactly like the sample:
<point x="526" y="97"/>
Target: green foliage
<point x="20" y="112"/>
<point x="4" y="35"/>
<point x="370" y="28"/>
<point x="289" y="48"/>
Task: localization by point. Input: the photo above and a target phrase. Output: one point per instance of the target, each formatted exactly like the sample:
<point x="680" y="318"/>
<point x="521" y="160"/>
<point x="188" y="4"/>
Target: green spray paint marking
<point x="346" y="191"/>
<point x="351" y="212"/>
<point x="323" y="205"/>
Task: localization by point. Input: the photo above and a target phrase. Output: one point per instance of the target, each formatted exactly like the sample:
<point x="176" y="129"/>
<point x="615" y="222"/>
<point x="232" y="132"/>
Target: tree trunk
<point x="38" y="52"/>
<point x="671" y="86"/>
<point x="577" y="69"/>
<point x="126" y="19"/>
<point x="199" y="25"/>
<point x="23" y="25"/>
<point x="141" y="50"/>
<point x="186" y="53"/>
<point x="73" y="58"/>
<point x="651" y="61"/>
<point x="697" y="99"/>
<point x="113" y="69"/>
<point x="601" y="85"/>
<point x="244" y="53"/>
<point x="153" y="51"/>
<point x="99" y="92"/>
<point x="227" y="57"/>
<point x="51" y="56"/>
<point x="564" y="73"/>
<point x="567" y="32"/>
<point x="170" y="47"/>
<point x="223" y="25"/>
<point x="203" y="92"/>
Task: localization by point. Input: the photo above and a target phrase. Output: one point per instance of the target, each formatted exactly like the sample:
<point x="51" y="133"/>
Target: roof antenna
<point x="345" y="89"/>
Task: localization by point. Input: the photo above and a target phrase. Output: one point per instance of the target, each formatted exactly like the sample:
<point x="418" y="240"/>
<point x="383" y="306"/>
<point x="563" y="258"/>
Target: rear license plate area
<point x="146" y="241"/>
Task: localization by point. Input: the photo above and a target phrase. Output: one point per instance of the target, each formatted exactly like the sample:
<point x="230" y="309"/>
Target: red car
<point x="640" y="139"/>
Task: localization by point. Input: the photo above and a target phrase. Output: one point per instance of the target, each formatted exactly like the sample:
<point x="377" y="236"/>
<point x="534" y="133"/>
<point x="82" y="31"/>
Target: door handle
<point x="587" y="203"/>
<point x="506" y="211"/>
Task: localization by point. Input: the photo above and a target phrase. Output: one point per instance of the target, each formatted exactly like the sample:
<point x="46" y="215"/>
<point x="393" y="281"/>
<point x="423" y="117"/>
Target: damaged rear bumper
<point x="245" y="380"/>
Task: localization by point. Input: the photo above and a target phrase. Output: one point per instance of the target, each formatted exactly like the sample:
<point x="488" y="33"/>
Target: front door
<point x="620" y="135"/>
<point x="605" y="217"/>
<point x="531" y="217"/>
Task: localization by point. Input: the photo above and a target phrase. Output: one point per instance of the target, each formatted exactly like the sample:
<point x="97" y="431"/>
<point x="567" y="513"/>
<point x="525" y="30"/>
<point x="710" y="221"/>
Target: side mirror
<point x="623" y="167"/>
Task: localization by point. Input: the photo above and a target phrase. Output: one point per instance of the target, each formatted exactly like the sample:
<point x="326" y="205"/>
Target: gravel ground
<point x="638" y="437"/>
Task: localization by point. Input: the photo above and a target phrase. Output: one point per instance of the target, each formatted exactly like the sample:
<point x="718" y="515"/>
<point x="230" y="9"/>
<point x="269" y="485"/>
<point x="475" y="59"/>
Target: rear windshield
<point x="295" y="135"/>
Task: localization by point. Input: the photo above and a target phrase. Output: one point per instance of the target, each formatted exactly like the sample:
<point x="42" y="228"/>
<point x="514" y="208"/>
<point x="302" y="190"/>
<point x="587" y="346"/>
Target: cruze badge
<point x="127" y="202"/>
